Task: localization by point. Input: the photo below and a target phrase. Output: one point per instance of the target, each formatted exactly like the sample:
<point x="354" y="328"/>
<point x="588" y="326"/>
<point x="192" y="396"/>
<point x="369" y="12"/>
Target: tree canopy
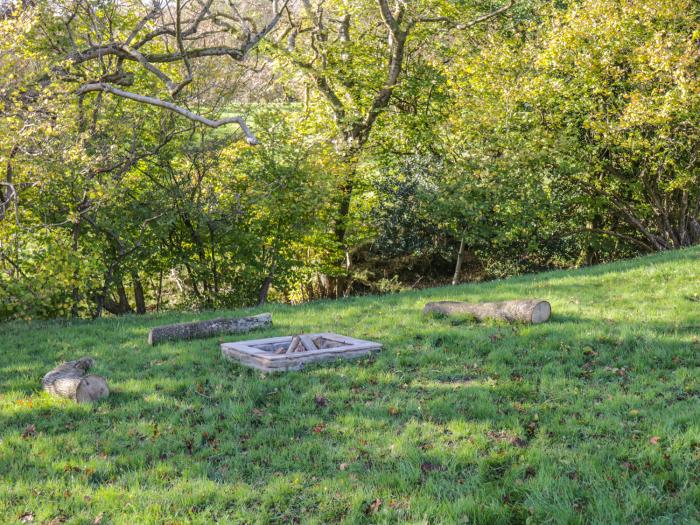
<point x="211" y="154"/>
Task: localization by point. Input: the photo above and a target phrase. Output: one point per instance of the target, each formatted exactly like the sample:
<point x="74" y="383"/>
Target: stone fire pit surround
<point x="261" y="353"/>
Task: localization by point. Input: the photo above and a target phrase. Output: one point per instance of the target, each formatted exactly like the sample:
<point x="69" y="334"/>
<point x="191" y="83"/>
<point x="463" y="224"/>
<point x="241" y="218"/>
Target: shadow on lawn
<point x="443" y="359"/>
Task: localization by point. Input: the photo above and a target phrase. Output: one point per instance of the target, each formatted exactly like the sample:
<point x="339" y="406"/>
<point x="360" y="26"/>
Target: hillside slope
<point x="593" y="417"/>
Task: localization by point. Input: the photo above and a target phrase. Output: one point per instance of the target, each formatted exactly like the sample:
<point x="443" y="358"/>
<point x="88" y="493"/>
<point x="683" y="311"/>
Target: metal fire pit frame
<point x="249" y="354"/>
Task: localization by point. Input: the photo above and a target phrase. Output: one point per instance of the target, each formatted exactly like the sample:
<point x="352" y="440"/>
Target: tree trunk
<point x="589" y="252"/>
<point x="214" y="266"/>
<point x="209" y="328"/>
<point x="460" y="260"/>
<point x="102" y="295"/>
<point x="159" y="296"/>
<point x="75" y="292"/>
<point x="694" y="228"/>
<point x="6" y="198"/>
<point x="265" y="288"/>
<point x="526" y="311"/>
<point x="70" y="380"/>
<point x="341" y="225"/>
<point x="139" y="295"/>
<point x="345" y="190"/>
<point x="123" y="306"/>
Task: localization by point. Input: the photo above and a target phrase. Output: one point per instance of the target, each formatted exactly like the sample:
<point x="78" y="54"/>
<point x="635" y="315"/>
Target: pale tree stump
<point x="532" y="311"/>
<point x="71" y="380"/>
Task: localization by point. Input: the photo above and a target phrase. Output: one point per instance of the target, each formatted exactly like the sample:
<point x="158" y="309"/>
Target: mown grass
<point x="593" y="417"/>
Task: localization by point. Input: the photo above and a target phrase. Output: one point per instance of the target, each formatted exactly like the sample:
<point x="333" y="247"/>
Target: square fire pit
<point x="275" y="355"/>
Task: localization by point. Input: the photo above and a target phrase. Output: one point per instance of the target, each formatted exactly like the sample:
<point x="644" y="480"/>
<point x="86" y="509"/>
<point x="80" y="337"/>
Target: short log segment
<point x="294" y="346"/>
<point x="302" y="343"/>
<point x="307" y="343"/>
<point x="201" y="329"/>
<point x="71" y="380"/>
<point x="525" y="311"/>
<point x="299" y="343"/>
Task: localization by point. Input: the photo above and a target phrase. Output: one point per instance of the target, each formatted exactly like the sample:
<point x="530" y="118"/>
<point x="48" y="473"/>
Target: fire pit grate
<point x="279" y="354"/>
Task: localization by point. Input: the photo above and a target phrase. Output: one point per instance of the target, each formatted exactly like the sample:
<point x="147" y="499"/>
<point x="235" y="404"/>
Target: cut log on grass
<point x="72" y="381"/>
<point x="525" y="311"/>
<point x="200" y="329"/>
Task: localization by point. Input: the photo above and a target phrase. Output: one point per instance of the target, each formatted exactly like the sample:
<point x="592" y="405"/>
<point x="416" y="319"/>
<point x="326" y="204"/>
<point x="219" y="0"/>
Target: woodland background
<point x="399" y="144"/>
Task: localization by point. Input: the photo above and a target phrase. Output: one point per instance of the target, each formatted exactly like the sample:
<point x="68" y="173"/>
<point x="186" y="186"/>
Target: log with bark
<point x="72" y="381"/>
<point x="305" y="343"/>
<point x="294" y="346"/>
<point x="299" y="343"/>
<point x="525" y="311"/>
<point x="197" y="330"/>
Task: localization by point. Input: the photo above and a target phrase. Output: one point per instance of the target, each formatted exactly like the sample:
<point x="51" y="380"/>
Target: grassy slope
<point x="593" y="417"/>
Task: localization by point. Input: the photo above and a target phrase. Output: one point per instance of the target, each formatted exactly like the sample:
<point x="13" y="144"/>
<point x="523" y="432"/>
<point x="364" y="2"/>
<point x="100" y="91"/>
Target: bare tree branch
<point x="181" y="46"/>
<point x="121" y="50"/>
<point x="478" y="20"/>
<point x="106" y="88"/>
<point x="6" y="200"/>
<point x="142" y="23"/>
<point x="124" y="51"/>
<point x="388" y="17"/>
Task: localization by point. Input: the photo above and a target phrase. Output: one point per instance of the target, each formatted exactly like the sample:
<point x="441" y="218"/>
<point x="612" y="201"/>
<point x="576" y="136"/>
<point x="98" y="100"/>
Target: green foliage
<point x="554" y="135"/>
<point x="620" y="87"/>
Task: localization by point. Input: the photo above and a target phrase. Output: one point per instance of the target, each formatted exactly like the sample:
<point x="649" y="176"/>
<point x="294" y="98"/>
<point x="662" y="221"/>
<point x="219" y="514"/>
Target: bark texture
<point x="71" y="380"/>
<point x="525" y="311"/>
<point x="210" y="328"/>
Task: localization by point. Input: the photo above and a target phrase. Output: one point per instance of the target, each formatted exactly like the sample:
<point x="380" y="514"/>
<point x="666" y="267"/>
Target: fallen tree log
<point x="209" y="328"/>
<point x="72" y="381"/>
<point x="526" y="311"/>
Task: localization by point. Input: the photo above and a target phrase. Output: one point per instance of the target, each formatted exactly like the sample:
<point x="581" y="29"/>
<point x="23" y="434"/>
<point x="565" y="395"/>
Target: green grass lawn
<point x="593" y="417"/>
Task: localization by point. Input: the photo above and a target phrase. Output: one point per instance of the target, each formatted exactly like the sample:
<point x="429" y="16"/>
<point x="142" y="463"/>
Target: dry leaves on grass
<point x="512" y="439"/>
<point x="27" y="517"/>
<point x="30" y="431"/>
<point x="427" y="467"/>
<point x="531" y="428"/>
<point x="373" y="507"/>
<point x="622" y="372"/>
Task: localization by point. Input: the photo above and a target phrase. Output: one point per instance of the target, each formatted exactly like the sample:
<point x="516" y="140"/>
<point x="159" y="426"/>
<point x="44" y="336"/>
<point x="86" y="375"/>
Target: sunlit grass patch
<point x="589" y="418"/>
